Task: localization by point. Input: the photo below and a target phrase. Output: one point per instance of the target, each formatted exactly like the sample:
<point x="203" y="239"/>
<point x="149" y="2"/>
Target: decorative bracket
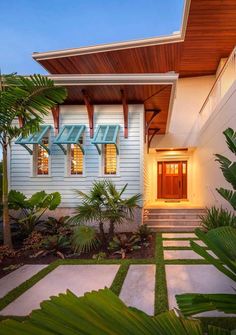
<point x="155" y="131"/>
<point x="125" y="112"/>
<point x="155" y="112"/>
<point x="90" y="110"/>
<point x="56" y="118"/>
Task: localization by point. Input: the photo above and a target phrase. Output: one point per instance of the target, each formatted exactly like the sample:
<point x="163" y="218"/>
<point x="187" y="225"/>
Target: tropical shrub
<point x="121" y="244"/>
<point x="30" y="211"/>
<point x="6" y="252"/>
<point x="84" y="239"/>
<point x="54" y="226"/>
<point x="217" y="217"/>
<point x="55" y="244"/>
<point x="33" y="241"/>
<point x="229" y="168"/>
<point x="101" y="313"/>
<point x="101" y="255"/>
<point x="143" y="232"/>
<point x="104" y="203"/>
<point x="222" y="242"/>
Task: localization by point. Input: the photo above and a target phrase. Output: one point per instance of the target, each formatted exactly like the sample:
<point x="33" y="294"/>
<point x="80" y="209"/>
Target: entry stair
<point x="172" y="219"/>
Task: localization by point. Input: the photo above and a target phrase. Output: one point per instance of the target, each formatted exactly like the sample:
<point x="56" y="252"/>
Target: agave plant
<point x="121" y="244"/>
<point x="222" y="241"/>
<point x="228" y="168"/>
<point x="217" y="217"/>
<point x="101" y="313"/>
<point x="84" y="239"/>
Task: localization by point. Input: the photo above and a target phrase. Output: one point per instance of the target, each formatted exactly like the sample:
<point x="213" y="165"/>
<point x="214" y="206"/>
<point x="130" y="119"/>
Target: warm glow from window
<point x="110" y="159"/>
<point x="76" y="159"/>
<point x="42" y="158"/>
<point x="172" y="169"/>
<point x="184" y="168"/>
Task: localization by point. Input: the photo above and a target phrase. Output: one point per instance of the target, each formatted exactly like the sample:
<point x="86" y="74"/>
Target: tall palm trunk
<point x="6" y="222"/>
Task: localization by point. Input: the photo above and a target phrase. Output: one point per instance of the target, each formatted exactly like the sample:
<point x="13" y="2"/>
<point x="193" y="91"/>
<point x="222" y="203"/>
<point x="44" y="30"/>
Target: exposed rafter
<point x="56" y="118"/>
<point x="125" y="113"/>
<point x="151" y="136"/>
<point x="90" y="110"/>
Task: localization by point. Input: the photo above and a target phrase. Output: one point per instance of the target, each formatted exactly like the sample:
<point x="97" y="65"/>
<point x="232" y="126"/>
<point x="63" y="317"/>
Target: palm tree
<point x="104" y="203"/>
<point x="27" y="99"/>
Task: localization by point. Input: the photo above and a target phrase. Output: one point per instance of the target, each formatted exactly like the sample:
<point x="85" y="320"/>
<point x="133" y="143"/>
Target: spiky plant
<point x="217" y="217"/>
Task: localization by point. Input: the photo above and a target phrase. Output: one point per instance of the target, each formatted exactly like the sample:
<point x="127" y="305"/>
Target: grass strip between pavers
<point x="19" y="290"/>
<point x="161" y="298"/>
<point x="118" y="281"/>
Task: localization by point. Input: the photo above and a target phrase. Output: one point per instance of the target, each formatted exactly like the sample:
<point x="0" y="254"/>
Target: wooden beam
<point x="21" y="121"/>
<point x="56" y="118"/>
<point x="155" y="131"/>
<point x="125" y="113"/>
<point x="90" y="111"/>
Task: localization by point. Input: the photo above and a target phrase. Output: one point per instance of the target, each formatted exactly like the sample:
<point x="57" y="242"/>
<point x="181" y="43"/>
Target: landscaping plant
<point x="55" y="244"/>
<point x="84" y="239"/>
<point x="27" y="100"/>
<point x="54" y="226"/>
<point x="121" y="244"/>
<point x="30" y="211"/>
<point x="229" y="168"/>
<point x="222" y="242"/>
<point x="217" y="217"/>
<point x="144" y="233"/>
<point x="105" y="204"/>
<point x="101" y="313"/>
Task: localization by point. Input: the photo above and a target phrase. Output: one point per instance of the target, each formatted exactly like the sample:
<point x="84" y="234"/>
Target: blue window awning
<point x="36" y="138"/>
<point x="106" y="134"/>
<point x="70" y="135"/>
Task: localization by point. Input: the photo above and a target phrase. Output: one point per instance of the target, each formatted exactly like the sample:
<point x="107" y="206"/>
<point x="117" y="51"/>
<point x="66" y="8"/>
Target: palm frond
<point x="228" y="195"/>
<point x="230" y="136"/>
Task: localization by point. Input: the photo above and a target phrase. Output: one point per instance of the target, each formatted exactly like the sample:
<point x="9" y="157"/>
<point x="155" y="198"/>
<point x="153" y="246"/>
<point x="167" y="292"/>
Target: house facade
<point x="149" y="113"/>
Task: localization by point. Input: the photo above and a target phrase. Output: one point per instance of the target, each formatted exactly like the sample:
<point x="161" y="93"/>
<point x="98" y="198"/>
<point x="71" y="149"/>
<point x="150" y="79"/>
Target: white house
<point x="149" y="113"/>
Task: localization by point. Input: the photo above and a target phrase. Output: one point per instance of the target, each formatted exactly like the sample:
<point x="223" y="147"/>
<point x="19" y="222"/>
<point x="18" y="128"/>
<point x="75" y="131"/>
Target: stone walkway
<point x="18" y="277"/>
<point x="196" y="279"/>
<point x="138" y="289"/>
<point x="72" y="277"/>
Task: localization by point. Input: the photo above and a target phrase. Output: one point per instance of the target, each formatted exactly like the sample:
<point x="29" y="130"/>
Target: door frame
<point x="174" y="160"/>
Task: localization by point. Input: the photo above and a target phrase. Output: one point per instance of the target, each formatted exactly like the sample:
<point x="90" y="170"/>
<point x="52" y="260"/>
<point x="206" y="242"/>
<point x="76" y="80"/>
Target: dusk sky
<point x="28" y="25"/>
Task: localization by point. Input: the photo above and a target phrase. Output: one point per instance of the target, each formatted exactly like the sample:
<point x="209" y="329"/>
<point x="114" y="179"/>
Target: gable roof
<point x="208" y="34"/>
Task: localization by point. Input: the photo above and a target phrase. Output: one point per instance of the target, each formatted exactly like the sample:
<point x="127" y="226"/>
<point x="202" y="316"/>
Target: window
<point x="110" y="159"/>
<point x="42" y="158"/>
<point x="76" y="160"/>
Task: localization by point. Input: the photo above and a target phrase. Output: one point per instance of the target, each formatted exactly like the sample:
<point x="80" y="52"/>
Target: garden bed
<point x="9" y="264"/>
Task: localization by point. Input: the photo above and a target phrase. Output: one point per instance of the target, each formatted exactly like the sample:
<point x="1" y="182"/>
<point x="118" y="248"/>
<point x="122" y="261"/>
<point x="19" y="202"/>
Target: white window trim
<point x="68" y="164"/>
<point x="34" y="162"/>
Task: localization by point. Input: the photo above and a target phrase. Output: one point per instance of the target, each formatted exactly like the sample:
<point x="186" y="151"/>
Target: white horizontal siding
<point x="130" y="156"/>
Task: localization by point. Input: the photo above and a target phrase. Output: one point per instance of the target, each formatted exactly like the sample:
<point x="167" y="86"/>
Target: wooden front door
<point x="172" y="180"/>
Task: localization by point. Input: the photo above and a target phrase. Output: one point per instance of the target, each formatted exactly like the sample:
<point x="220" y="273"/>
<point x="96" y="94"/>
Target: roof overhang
<point x="174" y="38"/>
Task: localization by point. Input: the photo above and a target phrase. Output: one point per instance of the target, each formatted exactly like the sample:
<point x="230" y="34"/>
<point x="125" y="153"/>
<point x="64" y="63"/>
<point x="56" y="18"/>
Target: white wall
<point x="130" y="158"/>
<point x="207" y="174"/>
<point x="190" y="95"/>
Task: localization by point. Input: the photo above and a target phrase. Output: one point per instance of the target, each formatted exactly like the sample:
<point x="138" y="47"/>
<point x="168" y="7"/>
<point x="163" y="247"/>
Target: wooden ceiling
<point x="210" y="35"/>
<point x="154" y="97"/>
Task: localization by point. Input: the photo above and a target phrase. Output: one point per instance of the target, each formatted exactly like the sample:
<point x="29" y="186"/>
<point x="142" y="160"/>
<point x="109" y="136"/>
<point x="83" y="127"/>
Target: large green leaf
<point x="99" y="313"/>
<point x="228" y="195"/>
<point x="222" y="242"/>
<point x="230" y="136"/>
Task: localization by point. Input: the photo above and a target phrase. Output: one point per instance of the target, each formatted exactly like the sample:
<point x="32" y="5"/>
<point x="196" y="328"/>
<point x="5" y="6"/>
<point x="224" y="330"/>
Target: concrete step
<point x="175" y="210"/>
<point x="176" y="229"/>
<point x="173" y="215"/>
<point x="173" y="221"/>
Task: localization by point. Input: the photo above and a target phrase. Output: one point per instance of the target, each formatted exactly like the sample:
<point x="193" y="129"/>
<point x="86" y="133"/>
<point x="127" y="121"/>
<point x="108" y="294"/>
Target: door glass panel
<point x="184" y="171"/>
<point x="160" y="168"/>
<point x="172" y="168"/>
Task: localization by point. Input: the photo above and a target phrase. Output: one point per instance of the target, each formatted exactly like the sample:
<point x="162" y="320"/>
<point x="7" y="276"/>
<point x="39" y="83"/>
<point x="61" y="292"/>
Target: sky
<point x="28" y="26"/>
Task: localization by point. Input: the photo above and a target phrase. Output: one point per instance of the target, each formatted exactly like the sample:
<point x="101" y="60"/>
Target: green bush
<point x="30" y="211"/>
<point x="217" y="217"/>
<point x="84" y="239"/>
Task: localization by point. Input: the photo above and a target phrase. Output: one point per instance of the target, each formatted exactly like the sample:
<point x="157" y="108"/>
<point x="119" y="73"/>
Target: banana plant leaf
<point x="222" y="242"/>
<point x="100" y="313"/>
